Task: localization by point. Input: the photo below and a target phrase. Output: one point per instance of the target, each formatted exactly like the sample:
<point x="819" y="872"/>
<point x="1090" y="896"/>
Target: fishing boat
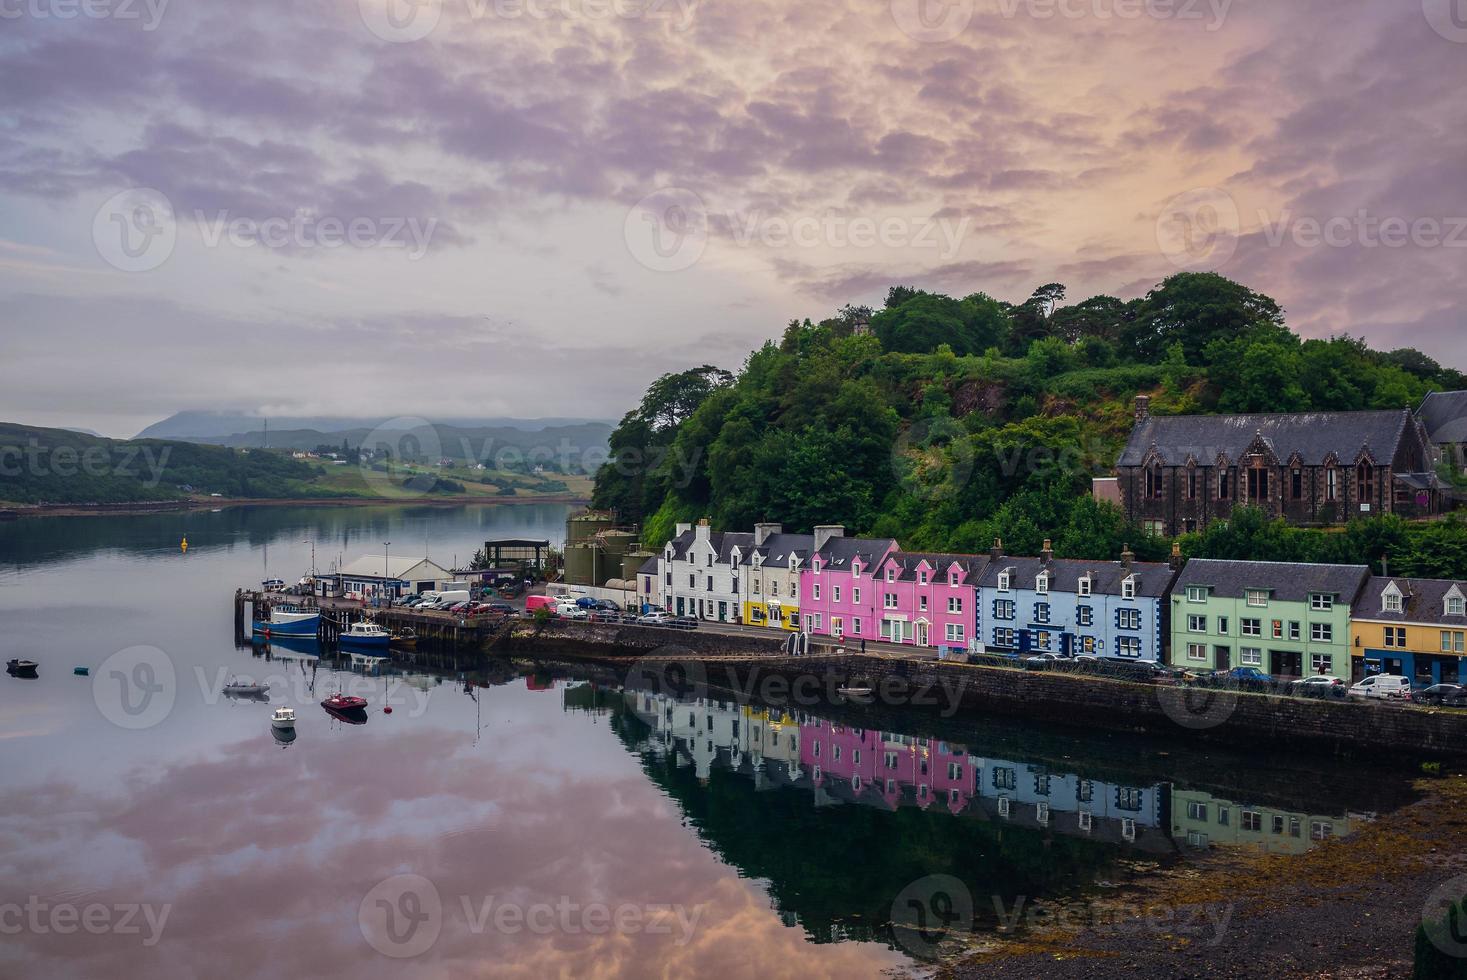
<point x="21" y="668"/>
<point x="345" y="707"/>
<point x="405" y="639"/>
<point x="283" y="718"/>
<point x="283" y="735"/>
<point x="365" y="635"/>
<point x="289" y="621"/>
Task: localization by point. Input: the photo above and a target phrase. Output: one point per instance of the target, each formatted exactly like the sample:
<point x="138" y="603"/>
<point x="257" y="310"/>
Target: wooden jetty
<point x="436" y="631"/>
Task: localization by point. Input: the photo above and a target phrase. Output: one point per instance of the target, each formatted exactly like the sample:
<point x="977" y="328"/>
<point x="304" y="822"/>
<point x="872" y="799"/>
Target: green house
<point x="1288" y="620"/>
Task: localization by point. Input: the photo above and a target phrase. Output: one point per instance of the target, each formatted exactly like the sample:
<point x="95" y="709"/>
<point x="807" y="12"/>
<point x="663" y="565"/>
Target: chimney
<point x="1143" y="408"/>
<point x="684" y="527"/>
<point x="996" y="552"/>
<point x="1177" y="560"/>
<point x="703" y="529"/>
<point x="1128" y="558"/>
<point x="763" y="532"/>
<point x="1047" y="553"/>
<point x="824" y="532"/>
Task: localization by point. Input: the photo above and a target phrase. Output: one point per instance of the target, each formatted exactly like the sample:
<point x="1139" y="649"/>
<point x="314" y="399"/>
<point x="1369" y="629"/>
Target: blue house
<point x="1116" y="610"/>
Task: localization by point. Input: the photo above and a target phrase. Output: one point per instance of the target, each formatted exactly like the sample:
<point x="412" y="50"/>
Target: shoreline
<point x="16" y="512"/>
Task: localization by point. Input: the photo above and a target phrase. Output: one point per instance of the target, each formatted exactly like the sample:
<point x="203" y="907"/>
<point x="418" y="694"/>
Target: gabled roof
<point x="777" y="548"/>
<point x="1444" y="413"/>
<point x="373" y="567"/>
<point x="907" y="563"/>
<point x="838" y="553"/>
<point x="1287" y="581"/>
<point x="1152" y="578"/>
<point x="1314" y="436"/>
<point x="1423" y="600"/>
<point x="649" y="567"/>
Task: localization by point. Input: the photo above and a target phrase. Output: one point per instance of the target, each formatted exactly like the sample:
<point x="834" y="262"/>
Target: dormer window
<point x="1391" y="602"/>
<point x="952" y="579"/>
<point x="922" y="576"/>
<point x="891" y="574"/>
<point x="1041" y="584"/>
<point x="815" y="565"/>
<point x="1128" y="587"/>
<point x="1456" y="605"/>
<point x="1196" y="593"/>
<point x="1320" y="602"/>
<point x="1087" y="585"/>
<point x="1003" y="581"/>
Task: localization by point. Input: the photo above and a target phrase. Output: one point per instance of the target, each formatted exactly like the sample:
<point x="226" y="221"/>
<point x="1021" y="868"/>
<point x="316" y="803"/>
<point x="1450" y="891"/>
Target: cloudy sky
<point x="533" y="207"/>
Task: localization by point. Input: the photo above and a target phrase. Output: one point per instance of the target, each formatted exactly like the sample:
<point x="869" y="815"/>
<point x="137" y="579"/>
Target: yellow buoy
<point x="184" y="546"/>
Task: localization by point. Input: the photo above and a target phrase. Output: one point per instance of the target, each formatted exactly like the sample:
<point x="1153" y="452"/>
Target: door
<point x="922" y="637"/>
<point x="1067" y="644"/>
<point x="679" y="605"/>
<point x="1025" y="642"/>
<point x="1285" y="663"/>
<point x="1224" y="658"/>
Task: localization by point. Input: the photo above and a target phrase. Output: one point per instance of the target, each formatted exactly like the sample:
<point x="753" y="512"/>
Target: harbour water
<point x="533" y="819"/>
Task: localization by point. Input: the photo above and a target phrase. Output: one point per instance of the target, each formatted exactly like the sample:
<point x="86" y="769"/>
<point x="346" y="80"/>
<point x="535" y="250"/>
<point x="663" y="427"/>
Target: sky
<point x="535" y="207"/>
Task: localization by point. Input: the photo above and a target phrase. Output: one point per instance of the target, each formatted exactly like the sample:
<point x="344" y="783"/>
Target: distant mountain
<point x="201" y="426"/>
<point x="85" y="432"/>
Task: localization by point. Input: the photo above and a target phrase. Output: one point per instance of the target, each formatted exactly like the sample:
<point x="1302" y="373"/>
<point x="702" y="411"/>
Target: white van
<point x="449" y="598"/>
<point x="1381" y="686"/>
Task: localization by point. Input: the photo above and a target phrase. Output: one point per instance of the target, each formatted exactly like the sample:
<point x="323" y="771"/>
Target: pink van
<point x="533" y="602"/>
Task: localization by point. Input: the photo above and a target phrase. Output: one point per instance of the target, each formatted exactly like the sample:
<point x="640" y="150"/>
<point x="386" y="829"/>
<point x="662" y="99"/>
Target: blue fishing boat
<point x="290" y="621"/>
<point x="364" y="635"/>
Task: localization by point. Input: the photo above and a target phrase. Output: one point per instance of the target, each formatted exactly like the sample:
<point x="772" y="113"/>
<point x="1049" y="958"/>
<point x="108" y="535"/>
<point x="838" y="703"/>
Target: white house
<point x="366" y="576"/>
<point x="700" y="572"/>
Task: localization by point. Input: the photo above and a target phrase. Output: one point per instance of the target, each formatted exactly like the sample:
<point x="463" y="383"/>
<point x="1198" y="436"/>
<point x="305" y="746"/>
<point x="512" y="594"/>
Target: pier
<point x="439" y="632"/>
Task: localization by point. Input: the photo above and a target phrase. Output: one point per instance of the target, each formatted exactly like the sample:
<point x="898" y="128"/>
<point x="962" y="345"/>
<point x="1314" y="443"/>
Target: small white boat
<point x="283" y="718"/>
<point x="245" y="689"/>
<point x="854" y="691"/>
<point x="365" y="634"/>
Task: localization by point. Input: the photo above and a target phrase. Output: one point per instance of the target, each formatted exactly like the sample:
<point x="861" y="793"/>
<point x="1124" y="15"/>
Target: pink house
<point x="929" y="600"/>
<point x="837" y="597"/>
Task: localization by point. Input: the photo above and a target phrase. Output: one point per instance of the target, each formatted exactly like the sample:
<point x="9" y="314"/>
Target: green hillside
<point x="950" y="422"/>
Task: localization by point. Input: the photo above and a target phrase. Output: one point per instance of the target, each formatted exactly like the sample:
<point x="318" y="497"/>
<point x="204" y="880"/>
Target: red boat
<point x="344" y="702"/>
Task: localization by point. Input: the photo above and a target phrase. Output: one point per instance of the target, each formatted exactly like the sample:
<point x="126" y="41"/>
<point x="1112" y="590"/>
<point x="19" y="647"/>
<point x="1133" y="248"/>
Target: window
<point x="834" y="594"/>
<point x="1154" y="528"/>
<point x="1041" y="612"/>
<point x="1322" y="632"/>
<point x="1128" y="619"/>
<point x="1128" y="588"/>
<point x="1086" y="586"/>
<point x="1196" y="810"/>
<point x="1331" y="484"/>
<point x="814" y="622"/>
<point x="1222" y="816"/>
<point x="1395" y="636"/>
<point x="1005" y="777"/>
<point x="1041" y="584"/>
<point x="1453" y="642"/>
<point x="1197" y="652"/>
<point x="889" y="600"/>
<point x="1252" y="820"/>
<point x="1087" y="644"/>
<point x="1004" y="609"/>
<point x="1258" y="598"/>
<point x="1392" y="602"/>
<point x="890" y="759"/>
<point x="1085" y="615"/>
<point x="1128" y="799"/>
<point x="922" y="577"/>
<point x="1320" y="829"/>
<point x="1322" y="663"/>
<point x="1278" y="823"/>
<point x="1250" y="657"/>
<point x="1278" y="629"/>
<point x="891" y="575"/>
<point x="855" y="596"/>
<point x="1294" y="632"/>
<point x="1191" y="483"/>
<point x="1129" y="646"/>
<point x="955" y="632"/>
<point x="1041" y="784"/>
<point x="1365" y="482"/>
<point x="1321" y="603"/>
<point x="774" y="587"/>
<point x="1005" y="638"/>
<point x="1297" y="480"/>
<point x="921" y="603"/>
<point x="1003" y="581"/>
<point x="955" y="604"/>
<point x="1196" y="593"/>
<point x="1257" y="484"/>
<point x="1456" y="605"/>
<point x="1085" y="821"/>
<point x="1155" y="481"/>
<point x="1223" y="489"/>
<point x="1222" y="625"/>
<point x="1196" y="624"/>
<point x="1252" y="627"/>
<point x="1041" y="639"/>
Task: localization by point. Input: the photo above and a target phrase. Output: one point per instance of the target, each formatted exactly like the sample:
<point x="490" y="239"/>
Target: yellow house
<point x="1414" y="628"/>
<point x="769" y="577"/>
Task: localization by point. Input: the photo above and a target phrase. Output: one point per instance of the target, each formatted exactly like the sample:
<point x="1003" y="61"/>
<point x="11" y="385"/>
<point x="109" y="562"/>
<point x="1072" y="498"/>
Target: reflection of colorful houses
<point x="769" y="577"/>
<point x="929" y="600"/>
<point x="837" y="590"/>
<point x="1201" y="820"/>
<point x="1414" y="628"/>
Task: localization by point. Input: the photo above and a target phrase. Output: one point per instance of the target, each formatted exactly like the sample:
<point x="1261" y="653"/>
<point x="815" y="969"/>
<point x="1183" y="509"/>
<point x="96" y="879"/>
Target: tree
<point x="1197" y="308"/>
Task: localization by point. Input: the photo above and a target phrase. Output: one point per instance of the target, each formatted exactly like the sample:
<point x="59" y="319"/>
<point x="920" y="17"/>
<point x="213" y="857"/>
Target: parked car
<point x="1392" y="686"/>
<point x="459" y="607"/>
<point x="1244" y="678"/>
<point x="572" y="612"/>
<point x="1042" y="661"/>
<point x="586" y="602"/>
<point x="684" y="622"/>
<point x="1320" y="686"/>
<point x="499" y="607"/>
<point x="1440" y="694"/>
<point x="607" y="605"/>
<point x="658" y="618"/>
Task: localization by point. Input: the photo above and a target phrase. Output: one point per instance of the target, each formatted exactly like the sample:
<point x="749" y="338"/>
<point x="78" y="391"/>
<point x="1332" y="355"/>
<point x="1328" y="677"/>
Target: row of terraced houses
<point x="1289" y="620"/>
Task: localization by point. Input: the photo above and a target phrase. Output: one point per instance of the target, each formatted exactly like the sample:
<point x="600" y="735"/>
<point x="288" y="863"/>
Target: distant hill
<point x="560" y="447"/>
<point x="202" y="426"/>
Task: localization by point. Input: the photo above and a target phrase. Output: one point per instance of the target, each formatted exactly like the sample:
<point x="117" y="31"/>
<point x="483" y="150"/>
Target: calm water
<point x="523" y="821"/>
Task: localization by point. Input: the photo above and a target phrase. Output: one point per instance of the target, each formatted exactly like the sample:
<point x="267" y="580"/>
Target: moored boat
<point x="245" y="689"/>
<point x="364" y="635"/>
<point x="347" y="708"/>
<point x="284" y="717"/>
<point x="405" y="639"/>
<point x="289" y="621"/>
<point x="21" y="668"/>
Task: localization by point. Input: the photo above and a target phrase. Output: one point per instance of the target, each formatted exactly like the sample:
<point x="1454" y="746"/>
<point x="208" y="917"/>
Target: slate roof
<point x="907" y="562"/>
<point x="1423" y="601"/>
<point x="728" y="540"/>
<point x="777" y="548"/>
<point x="1288" y="581"/>
<point x="1065" y="574"/>
<point x="839" y="552"/>
<point x="1444" y="413"/>
<point x="1313" y="435"/>
<point x="681" y="542"/>
<point x="649" y="567"/>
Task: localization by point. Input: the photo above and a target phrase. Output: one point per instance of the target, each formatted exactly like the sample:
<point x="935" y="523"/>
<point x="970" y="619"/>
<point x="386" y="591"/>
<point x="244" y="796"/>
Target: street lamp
<point x="385" y="546"/>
